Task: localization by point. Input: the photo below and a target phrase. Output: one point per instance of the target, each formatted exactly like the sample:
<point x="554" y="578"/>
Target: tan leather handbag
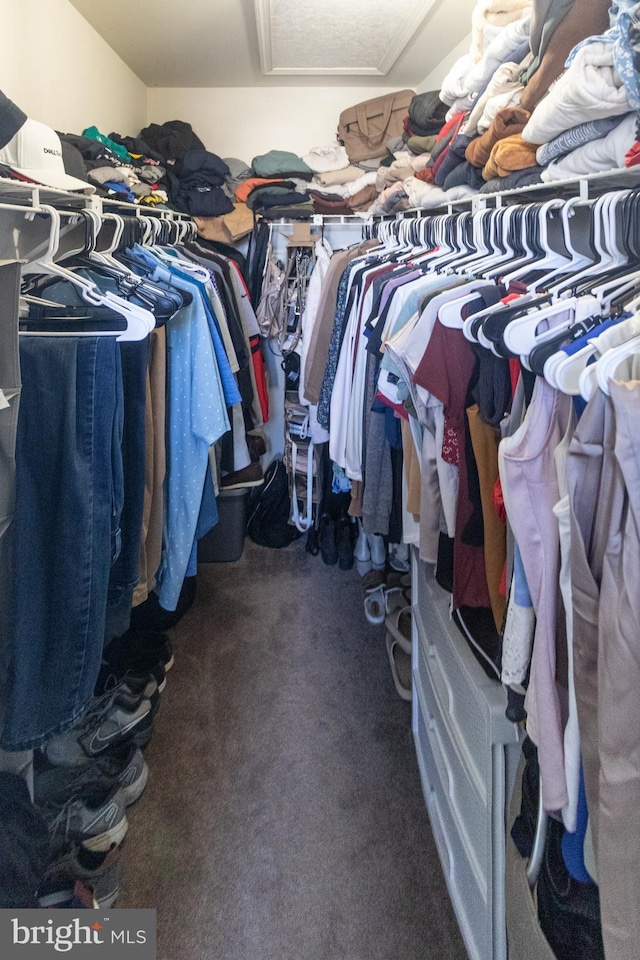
<point x="365" y="128"/>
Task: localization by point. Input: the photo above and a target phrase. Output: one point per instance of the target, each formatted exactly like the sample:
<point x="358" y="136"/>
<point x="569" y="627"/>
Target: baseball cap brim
<point x="62" y="181"/>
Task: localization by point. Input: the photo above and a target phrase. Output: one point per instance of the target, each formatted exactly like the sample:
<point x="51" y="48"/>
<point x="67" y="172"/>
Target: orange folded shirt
<point x="244" y="189"/>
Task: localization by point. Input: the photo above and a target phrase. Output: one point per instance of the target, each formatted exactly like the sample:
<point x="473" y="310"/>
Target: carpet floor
<point x="284" y="817"/>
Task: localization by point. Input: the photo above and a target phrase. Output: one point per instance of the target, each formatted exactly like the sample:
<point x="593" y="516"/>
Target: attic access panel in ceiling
<point x="335" y="37"/>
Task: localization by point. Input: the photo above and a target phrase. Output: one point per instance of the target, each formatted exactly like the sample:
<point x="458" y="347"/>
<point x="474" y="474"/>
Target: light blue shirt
<point x="196" y="418"/>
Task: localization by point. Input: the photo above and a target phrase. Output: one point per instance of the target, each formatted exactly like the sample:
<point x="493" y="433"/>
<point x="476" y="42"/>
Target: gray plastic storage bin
<point x="225" y="542"/>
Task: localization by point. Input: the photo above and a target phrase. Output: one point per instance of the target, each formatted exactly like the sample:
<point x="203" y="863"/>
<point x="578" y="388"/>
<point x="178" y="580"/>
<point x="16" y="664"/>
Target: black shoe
<point x="138" y="652"/>
<point x="151" y="616"/>
<point x="327" y="540"/>
<point x="345" y="543"/>
<point x="312" y="545"/>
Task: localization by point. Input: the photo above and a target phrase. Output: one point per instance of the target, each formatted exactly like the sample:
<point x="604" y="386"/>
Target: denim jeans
<point x="124" y="573"/>
<point x="69" y="494"/>
<point x="15" y="762"/>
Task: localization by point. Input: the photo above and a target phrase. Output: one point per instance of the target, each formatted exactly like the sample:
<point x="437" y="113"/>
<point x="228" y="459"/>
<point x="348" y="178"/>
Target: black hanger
<point x="494" y="325"/>
<point x="542" y="351"/>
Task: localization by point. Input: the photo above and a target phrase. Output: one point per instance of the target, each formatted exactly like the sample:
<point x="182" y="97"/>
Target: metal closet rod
<point x="25" y="197"/>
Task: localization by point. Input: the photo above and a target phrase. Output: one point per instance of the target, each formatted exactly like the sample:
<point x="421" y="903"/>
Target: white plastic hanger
<point x="551" y="259"/>
<point x="524" y="242"/>
<point x="502" y="226"/>
<point x="520" y="334"/>
<point x="609" y="362"/>
<point x="140" y="322"/>
<point x="563" y="371"/>
<point x="577" y="261"/>
<point x="588" y="376"/>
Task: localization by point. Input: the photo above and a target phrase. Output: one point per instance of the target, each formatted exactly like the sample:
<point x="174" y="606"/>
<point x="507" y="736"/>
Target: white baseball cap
<point x="35" y="151"/>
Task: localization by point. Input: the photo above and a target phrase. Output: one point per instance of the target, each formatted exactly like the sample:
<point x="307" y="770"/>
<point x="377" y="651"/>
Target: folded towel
<point x="512" y="153"/>
<point x="589" y="90"/>
<point x="607" y="153"/>
<point x="506" y="123"/>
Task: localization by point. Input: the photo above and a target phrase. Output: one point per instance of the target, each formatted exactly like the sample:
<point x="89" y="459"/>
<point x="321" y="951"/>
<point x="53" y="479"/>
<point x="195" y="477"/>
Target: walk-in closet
<point x="319" y="487"/>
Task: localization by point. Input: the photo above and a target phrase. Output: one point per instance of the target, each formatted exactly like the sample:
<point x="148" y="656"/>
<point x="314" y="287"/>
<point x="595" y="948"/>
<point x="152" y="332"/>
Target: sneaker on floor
<point x="137" y="648"/>
<point x="136" y="654"/>
<point x="399" y="557"/>
<point x="68" y="895"/>
<point x="377" y="551"/>
<point x="100" y="872"/>
<point x="123" y="767"/>
<point x="362" y="552"/>
<point x="97" y="821"/>
<point x="107" y="724"/>
<point x="251" y="476"/>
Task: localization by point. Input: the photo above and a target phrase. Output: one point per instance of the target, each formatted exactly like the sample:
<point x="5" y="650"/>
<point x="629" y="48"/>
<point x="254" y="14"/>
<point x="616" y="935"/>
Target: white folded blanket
<point x="400" y="170"/>
<point x="454" y="86"/>
<point x="327" y="158"/>
<point x="332" y="177"/>
<point x="588" y="90"/>
<point x="488" y="16"/>
<point x="505" y="79"/>
<point x="427" y="195"/>
<point x="510" y="98"/>
<point x="510" y="45"/>
<point x="607" y="153"/>
<point x="366" y="180"/>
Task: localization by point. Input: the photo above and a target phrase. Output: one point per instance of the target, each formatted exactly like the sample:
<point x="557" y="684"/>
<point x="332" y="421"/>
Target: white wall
<point x="246" y="121"/>
<point x="57" y="69"/>
<point x="434" y="80"/>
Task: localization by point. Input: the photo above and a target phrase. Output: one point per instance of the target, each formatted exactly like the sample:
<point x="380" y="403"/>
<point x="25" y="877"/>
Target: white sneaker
<point x="361" y="553"/>
<point x="399" y="557"/>
<point x="377" y="550"/>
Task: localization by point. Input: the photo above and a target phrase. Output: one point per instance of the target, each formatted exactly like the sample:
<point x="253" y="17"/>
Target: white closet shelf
<point x="590" y="185"/>
<point x="34" y="195"/>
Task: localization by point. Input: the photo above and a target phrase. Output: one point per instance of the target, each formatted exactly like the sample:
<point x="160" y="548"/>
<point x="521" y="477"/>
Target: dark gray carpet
<point x="284" y="818"/>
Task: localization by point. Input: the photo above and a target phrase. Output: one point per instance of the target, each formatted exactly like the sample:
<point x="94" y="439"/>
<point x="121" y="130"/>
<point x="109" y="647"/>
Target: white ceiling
<point x="236" y="43"/>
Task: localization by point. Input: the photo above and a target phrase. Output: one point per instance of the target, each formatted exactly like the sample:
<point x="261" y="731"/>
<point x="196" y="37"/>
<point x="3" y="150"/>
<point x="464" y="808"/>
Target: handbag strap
<point x="363" y="122"/>
<point x="302" y="523"/>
